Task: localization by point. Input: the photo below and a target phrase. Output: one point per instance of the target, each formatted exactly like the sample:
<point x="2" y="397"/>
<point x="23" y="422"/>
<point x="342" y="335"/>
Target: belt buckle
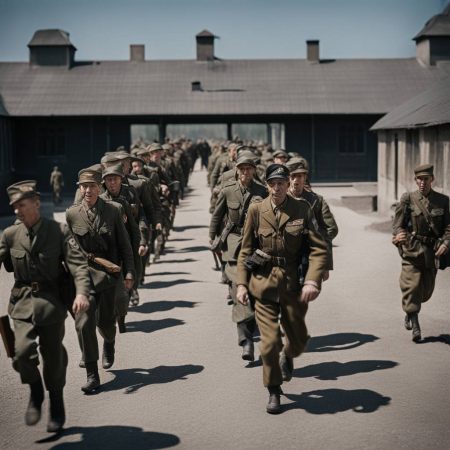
<point x="34" y="286"/>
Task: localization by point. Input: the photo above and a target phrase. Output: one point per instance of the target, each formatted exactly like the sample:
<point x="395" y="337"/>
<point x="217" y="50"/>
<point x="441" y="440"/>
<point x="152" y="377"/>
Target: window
<point x="351" y="139"/>
<point x="51" y="141"/>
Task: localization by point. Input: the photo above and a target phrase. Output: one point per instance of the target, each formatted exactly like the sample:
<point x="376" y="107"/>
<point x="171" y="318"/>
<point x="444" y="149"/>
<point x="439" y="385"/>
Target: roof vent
<point x="137" y="52"/>
<point x="205" y="46"/>
<point x="312" y="51"/>
<point x="196" y="86"/>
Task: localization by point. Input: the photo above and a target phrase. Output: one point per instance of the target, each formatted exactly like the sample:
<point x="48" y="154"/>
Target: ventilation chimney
<point x="205" y="46"/>
<point x="312" y="51"/>
<point x="137" y="52"/>
<point x="196" y="86"/>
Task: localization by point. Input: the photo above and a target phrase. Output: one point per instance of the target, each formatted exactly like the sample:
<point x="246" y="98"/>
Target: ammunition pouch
<point x="257" y="260"/>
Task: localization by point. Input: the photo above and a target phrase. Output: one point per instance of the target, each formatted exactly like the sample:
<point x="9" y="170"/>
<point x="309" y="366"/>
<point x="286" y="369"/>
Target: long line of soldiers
<point x="274" y="240"/>
<point x="123" y="210"/>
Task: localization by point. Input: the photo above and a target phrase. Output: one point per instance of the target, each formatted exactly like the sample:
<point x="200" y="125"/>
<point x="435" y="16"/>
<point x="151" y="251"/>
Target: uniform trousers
<point x="122" y="298"/>
<point x="417" y="286"/>
<point x="54" y="355"/>
<point x="101" y="313"/>
<point x="293" y="321"/>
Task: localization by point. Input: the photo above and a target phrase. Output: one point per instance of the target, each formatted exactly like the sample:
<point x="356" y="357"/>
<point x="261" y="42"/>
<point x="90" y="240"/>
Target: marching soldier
<point x="421" y="231"/>
<point x="98" y="228"/>
<point x="232" y="205"/>
<point x="280" y="157"/>
<point x="57" y="183"/>
<point x="35" y="248"/>
<point x="275" y="232"/>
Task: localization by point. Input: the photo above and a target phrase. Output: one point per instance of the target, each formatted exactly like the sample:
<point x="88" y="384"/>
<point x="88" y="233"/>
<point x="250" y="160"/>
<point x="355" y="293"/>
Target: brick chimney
<point x="137" y="52"/>
<point x="205" y="46"/>
<point x="312" y="51"/>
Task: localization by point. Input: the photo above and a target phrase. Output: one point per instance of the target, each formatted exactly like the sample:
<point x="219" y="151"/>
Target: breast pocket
<point x="79" y="231"/>
<point x="19" y="261"/>
<point x="265" y="238"/>
<point x="233" y="211"/>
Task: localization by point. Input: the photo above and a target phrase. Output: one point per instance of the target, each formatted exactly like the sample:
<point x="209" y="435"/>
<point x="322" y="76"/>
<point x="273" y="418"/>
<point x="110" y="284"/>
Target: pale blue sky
<point x="104" y="29"/>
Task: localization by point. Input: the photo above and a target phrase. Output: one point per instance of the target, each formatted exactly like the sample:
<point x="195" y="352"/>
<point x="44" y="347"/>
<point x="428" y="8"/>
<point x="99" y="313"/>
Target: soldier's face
<point x="297" y="183"/>
<point x="126" y="164"/>
<point x="280" y="160"/>
<point x="155" y="156"/>
<point x="424" y="183"/>
<point x="113" y="184"/>
<point x="246" y="172"/>
<point x="27" y="210"/>
<point x="90" y="193"/>
<point x="137" y="167"/>
<point x="278" y="188"/>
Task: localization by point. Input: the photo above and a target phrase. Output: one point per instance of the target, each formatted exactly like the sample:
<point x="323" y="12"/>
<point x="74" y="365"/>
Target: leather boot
<point x="121" y="325"/>
<point x="33" y="412"/>
<point x="134" y="297"/>
<point x="408" y="325"/>
<point x="93" y="379"/>
<point x="416" y="335"/>
<point x="286" y="366"/>
<point x="108" y="354"/>
<point x="248" y="350"/>
<point x="57" y="415"/>
<point x="273" y="405"/>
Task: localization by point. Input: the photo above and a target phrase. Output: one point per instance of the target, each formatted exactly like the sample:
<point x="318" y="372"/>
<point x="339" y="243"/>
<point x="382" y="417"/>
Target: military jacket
<point x="107" y="237"/>
<point x="222" y="165"/>
<point x="283" y="238"/>
<point x="409" y="217"/>
<point x="40" y="261"/>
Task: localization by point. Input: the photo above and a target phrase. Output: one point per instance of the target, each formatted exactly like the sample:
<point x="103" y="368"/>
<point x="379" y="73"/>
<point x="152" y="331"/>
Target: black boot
<point x="286" y="366"/>
<point x="33" y="412"/>
<point x="273" y="405"/>
<point x="416" y="335"/>
<point x="108" y="354"/>
<point x="248" y="350"/>
<point x="121" y="325"/>
<point x="408" y="325"/>
<point x="93" y="379"/>
<point x="57" y="416"/>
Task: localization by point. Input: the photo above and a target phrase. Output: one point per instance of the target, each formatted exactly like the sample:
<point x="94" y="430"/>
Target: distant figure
<point x="57" y="183"/>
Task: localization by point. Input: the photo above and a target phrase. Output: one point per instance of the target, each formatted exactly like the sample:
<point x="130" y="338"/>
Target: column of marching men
<point x="122" y="214"/>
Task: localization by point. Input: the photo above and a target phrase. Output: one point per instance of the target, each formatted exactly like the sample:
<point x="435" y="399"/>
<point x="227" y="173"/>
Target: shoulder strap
<point x="425" y="213"/>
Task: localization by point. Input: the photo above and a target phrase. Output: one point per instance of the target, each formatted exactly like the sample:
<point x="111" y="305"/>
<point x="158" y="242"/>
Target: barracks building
<point x="55" y="109"/>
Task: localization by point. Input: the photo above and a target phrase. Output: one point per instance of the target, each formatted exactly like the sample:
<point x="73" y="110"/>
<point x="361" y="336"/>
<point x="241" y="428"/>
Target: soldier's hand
<point x="80" y="304"/>
<point x="158" y="226"/>
<point x="242" y="294"/>
<point x="399" y="238"/>
<point x="129" y="282"/>
<point x="442" y="250"/>
<point x="143" y="249"/>
<point x="309" y="293"/>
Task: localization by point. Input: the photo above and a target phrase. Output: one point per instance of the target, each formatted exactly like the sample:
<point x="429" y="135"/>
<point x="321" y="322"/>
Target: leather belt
<point x="36" y="286"/>
<point x="427" y="240"/>
<point x="278" y="261"/>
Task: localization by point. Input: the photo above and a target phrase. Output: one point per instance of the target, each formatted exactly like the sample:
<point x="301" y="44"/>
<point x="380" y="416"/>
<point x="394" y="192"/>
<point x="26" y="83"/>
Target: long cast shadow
<point x="338" y="341"/>
<point x="189" y="227"/>
<point x="115" y="437"/>
<point x="166" y="284"/>
<point x="163" y="305"/>
<point x="149" y="326"/>
<point x="332" y="401"/>
<point x="177" y="261"/>
<point x="181" y="239"/>
<point x="193" y="249"/>
<point x="334" y="370"/>
<point x="131" y="380"/>
<point x="443" y="338"/>
<point x="168" y="273"/>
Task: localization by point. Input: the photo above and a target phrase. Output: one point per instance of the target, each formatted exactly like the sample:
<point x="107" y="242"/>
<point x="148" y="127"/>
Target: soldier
<point x="35" y="248"/>
<point x="298" y="168"/>
<point x="421" y="231"/>
<point x="98" y="228"/>
<point x="275" y="232"/>
<point x="57" y="183"/>
<point x="280" y="157"/>
<point x="232" y="205"/>
<point x="225" y="162"/>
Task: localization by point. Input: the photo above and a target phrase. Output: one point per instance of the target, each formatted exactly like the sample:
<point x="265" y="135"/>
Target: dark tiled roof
<point x="50" y="38"/>
<point x="429" y="108"/>
<point x="438" y="25"/>
<point x="242" y="87"/>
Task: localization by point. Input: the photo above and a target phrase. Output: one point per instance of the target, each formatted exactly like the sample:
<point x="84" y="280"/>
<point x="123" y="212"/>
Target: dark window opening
<point x="51" y="141"/>
<point x="351" y="139"/>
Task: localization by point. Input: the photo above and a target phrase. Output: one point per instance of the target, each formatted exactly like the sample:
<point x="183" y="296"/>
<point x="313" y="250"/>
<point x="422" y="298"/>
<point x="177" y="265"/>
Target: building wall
<point x="419" y="146"/>
<point x="6" y="145"/>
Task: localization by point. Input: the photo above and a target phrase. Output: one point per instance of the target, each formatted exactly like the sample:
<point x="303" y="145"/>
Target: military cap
<point x="246" y="159"/>
<point x="109" y="158"/>
<point x="113" y="170"/>
<point x="155" y="147"/>
<point x="424" y="170"/>
<point x="142" y="151"/>
<point x="136" y="158"/>
<point x="22" y="189"/>
<point x="280" y="153"/>
<point x="166" y="147"/>
<point x="266" y="157"/>
<point x="297" y="165"/>
<point x="277" y="171"/>
<point x="89" y="176"/>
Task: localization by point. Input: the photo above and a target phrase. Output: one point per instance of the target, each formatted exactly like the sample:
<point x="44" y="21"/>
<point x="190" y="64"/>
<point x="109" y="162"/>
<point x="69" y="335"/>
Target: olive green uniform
<point x="418" y="273"/>
<point x="275" y="286"/>
<point x="35" y="304"/>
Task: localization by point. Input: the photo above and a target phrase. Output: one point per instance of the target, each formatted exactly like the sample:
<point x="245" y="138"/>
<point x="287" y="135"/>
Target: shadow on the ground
<point x="177" y="261"/>
<point x="166" y="284"/>
<point x="332" y="401"/>
<point x="338" y="341"/>
<point x="188" y="227"/>
<point x="113" y="437"/>
<point x="181" y="240"/>
<point x="334" y="370"/>
<point x="443" y="338"/>
<point x="197" y="248"/>
<point x="131" y="380"/>
<point x="149" y="326"/>
<point x="162" y="305"/>
<point x="167" y="273"/>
